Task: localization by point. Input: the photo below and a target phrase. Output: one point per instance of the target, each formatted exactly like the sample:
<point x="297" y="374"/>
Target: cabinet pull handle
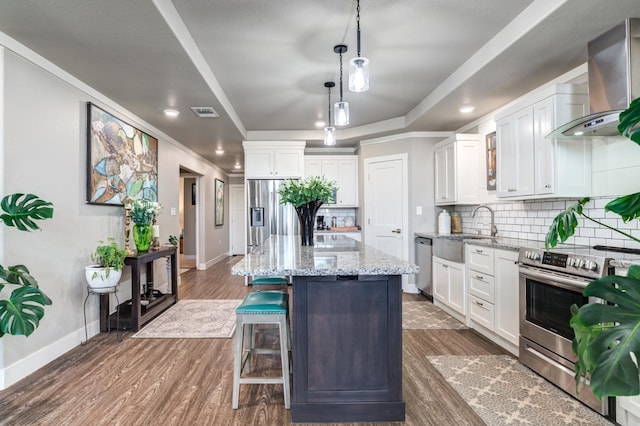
<point x="479" y="277"/>
<point x="479" y="303"/>
<point x="478" y="251"/>
<point x="547" y="186"/>
<point x="445" y="266"/>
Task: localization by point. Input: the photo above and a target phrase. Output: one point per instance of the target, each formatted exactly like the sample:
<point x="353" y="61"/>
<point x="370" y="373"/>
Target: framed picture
<point x="122" y="161"/>
<point x="491" y="161"/>
<point x="193" y="194"/>
<point x="219" y="199"/>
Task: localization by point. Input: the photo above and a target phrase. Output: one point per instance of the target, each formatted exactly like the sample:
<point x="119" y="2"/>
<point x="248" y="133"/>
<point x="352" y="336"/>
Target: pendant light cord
<point x="340" y="76"/>
<point x="358" y="22"/>
<point x="329" y="104"/>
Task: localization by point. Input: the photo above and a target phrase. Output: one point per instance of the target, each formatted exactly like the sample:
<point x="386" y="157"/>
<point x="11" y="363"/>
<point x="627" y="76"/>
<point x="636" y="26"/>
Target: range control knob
<point x="535" y="255"/>
<point x="580" y="263"/>
<point x="591" y="266"/>
<point x="571" y="261"/>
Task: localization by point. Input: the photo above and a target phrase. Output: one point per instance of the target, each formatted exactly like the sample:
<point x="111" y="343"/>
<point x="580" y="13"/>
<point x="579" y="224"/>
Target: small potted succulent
<point x="107" y="270"/>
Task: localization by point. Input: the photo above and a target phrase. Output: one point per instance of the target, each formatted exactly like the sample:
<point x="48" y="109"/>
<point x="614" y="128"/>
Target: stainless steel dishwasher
<point x="423" y="259"/>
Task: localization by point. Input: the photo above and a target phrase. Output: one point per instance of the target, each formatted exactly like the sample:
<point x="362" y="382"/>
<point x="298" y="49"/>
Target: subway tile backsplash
<point x="339" y="213"/>
<point x="530" y="220"/>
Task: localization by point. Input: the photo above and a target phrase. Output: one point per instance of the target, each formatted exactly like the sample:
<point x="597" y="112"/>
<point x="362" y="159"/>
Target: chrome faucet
<point x="494" y="230"/>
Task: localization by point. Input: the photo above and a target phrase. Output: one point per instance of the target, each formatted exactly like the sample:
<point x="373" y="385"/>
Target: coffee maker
<point x="320" y="222"/>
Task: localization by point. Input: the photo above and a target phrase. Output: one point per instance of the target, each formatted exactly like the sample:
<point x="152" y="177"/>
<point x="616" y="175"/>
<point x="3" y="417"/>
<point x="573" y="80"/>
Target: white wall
<point x="43" y="144"/>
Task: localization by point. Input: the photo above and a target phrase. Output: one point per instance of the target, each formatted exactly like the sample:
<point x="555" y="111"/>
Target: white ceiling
<point x="262" y="64"/>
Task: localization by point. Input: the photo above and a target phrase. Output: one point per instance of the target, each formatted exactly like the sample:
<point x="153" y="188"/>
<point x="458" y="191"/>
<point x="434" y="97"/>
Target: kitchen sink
<point x="451" y="247"/>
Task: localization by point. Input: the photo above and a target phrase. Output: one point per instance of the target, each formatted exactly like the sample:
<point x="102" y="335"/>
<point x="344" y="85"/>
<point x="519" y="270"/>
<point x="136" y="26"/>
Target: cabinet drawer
<point x="479" y="259"/>
<point x="481" y="285"/>
<point x="481" y="312"/>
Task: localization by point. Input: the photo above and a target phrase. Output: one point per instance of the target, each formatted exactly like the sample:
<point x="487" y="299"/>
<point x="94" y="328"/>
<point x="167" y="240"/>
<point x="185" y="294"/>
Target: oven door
<point x="545" y="301"/>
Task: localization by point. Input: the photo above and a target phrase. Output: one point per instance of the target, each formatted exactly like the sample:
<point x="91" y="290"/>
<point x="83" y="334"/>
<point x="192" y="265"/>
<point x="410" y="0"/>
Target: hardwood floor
<point x="188" y="381"/>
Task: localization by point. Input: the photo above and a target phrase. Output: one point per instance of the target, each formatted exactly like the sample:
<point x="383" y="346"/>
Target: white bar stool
<point x="265" y="307"/>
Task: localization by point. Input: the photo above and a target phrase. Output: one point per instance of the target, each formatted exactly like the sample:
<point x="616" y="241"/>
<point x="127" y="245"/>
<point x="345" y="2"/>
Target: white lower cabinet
<point x="628" y="410"/>
<point x="492" y="283"/>
<point x="449" y="290"/>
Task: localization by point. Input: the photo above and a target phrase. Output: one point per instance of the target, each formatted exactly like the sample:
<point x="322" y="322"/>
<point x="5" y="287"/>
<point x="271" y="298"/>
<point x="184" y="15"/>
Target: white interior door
<point x="236" y="208"/>
<point x="386" y="197"/>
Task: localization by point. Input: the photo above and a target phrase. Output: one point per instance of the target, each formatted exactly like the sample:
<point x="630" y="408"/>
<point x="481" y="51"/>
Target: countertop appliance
<point x="550" y="282"/>
<point x="266" y="215"/>
<point x="423" y="259"/>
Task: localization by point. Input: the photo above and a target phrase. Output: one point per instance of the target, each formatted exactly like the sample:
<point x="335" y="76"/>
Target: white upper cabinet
<point x="459" y="166"/>
<point x="531" y="166"/>
<point x="273" y="160"/>
<point x="342" y="169"/>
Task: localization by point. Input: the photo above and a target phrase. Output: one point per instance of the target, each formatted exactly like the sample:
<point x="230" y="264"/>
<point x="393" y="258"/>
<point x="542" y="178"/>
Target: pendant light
<point x="341" y="109"/>
<point x="329" y="131"/>
<point x="358" y="66"/>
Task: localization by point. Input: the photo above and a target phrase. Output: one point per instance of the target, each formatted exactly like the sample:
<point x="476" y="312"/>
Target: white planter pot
<point x="97" y="278"/>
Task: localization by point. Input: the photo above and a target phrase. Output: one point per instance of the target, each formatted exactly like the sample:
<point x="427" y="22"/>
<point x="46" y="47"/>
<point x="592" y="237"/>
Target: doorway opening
<point x="189" y="220"/>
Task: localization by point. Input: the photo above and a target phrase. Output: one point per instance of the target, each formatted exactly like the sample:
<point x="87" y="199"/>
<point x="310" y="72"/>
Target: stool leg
<point x="237" y="362"/>
<point x="284" y="355"/>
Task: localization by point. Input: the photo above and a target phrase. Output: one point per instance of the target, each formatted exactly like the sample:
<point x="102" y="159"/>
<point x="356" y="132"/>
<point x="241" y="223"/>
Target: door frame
<point x="368" y="234"/>
<point x="234" y="202"/>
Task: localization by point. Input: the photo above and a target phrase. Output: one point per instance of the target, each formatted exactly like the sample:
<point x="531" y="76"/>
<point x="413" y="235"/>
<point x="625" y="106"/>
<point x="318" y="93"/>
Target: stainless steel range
<point x="550" y="282"/>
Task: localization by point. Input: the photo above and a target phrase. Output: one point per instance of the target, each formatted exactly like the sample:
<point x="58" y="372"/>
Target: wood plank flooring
<point x="188" y="381"/>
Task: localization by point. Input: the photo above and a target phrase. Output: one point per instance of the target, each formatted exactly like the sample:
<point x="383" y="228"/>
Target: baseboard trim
<point x="213" y="261"/>
<point x="33" y="362"/>
<point x="410" y="288"/>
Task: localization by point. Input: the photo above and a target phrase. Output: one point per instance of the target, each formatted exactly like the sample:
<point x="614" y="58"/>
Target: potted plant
<point x="143" y="213"/>
<point x="607" y="336"/>
<point x="306" y="195"/>
<point x="21" y="312"/>
<point x="107" y="270"/>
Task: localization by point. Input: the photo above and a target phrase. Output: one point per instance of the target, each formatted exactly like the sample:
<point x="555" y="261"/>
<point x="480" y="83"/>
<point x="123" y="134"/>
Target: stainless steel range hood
<point x="614" y="81"/>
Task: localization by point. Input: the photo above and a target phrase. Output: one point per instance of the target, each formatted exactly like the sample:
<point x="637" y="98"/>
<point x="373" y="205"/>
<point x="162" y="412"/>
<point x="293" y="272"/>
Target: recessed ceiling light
<point x="205" y="112"/>
<point x="219" y="151"/>
<point x="578" y="133"/>
<point x="237" y="166"/>
<point x="171" y="112"/>
<point x="319" y="123"/>
<point x="466" y="109"/>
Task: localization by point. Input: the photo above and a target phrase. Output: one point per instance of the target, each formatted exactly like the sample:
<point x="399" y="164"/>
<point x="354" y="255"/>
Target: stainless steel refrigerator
<point x="266" y="215"/>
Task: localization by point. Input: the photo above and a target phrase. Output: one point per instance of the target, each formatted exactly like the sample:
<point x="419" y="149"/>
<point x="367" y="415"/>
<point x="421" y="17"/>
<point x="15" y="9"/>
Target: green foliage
<point x="21" y="210"/>
<point x="301" y="192"/>
<point x="607" y="334"/>
<point x="144" y="211"/>
<point x="109" y="256"/>
<point x="21" y="313"/>
<point x="173" y="240"/>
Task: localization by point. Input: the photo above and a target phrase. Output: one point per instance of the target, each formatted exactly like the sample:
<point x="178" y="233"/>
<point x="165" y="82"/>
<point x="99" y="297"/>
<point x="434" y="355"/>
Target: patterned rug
<point x="504" y="392"/>
<point x="194" y="319"/>
<point x="424" y="316"/>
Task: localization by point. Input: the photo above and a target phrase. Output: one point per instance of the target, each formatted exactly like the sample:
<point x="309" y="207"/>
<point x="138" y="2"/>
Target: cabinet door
<point x="515" y="154"/>
<point x="288" y="162"/>
<point x="312" y="167"/>
<point x="445" y="174"/>
<point x="506" y="282"/>
<point x="348" y="190"/>
<point x="457" y="288"/>
<point x="258" y="163"/>
<point x="543" y="113"/>
<point x="440" y="280"/>
<point x="470" y="166"/>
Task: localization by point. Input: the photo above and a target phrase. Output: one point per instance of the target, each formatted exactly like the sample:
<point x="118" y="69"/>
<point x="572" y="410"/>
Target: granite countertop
<point x="513" y="244"/>
<point x="331" y="255"/>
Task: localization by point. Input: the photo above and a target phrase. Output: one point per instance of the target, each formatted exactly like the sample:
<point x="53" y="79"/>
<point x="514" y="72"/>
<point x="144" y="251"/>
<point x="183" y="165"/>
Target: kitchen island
<point x="347" y="326"/>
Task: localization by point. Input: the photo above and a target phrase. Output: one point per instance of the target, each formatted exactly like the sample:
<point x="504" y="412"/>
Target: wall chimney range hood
<point x="614" y="81"/>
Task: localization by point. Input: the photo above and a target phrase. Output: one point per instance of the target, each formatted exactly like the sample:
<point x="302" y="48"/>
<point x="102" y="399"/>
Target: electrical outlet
<point x="419" y="210"/>
<point x="173" y="211"/>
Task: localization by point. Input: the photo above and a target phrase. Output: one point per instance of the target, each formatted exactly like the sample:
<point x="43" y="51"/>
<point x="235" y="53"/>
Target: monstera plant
<point x="607" y="336"/>
<point x="21" y="313"/>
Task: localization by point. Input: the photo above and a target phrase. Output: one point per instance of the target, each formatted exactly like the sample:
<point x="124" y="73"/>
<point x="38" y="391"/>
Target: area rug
<point x="504" y="392"/>
<point x="424" y="316"/>
<point x="194" y="319"/>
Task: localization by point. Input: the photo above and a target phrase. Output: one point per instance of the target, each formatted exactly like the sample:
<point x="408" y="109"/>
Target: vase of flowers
<point x="143" y="213"/>
<point x="306" y="195"/>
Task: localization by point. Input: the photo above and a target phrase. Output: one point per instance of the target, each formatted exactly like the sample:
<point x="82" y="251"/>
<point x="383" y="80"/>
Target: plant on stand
<point x="21" y="313"/>
<point x="307" y="195"/>
<point x="107" y="271"/>
<point x="607" y="336"/>
<point x="143" y="213"/>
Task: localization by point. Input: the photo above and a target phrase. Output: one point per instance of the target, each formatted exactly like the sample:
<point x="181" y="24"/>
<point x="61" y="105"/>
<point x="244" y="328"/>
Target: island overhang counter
<point x="347" y="326"/>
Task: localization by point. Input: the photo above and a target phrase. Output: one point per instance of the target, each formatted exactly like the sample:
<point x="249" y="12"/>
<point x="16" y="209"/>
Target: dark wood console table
<point x="133" y="315"/>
